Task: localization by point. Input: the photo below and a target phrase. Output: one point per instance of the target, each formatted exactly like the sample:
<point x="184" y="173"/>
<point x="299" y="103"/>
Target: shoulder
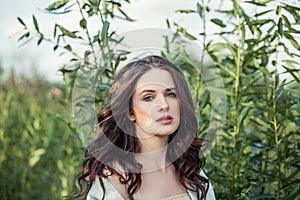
<point x="210" y="193"/>
<point x="96" y="192"/>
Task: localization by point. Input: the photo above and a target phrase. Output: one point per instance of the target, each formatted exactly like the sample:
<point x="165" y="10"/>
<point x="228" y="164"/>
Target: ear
<point x="132" y="117"/>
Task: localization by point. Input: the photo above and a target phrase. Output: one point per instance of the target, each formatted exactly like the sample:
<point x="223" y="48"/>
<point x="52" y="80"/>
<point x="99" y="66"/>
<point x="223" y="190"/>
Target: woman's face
<point x="156" y="110"/>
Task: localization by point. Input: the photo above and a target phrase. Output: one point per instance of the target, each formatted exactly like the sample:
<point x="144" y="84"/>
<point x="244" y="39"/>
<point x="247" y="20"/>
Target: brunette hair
<point x="116" y="143"/>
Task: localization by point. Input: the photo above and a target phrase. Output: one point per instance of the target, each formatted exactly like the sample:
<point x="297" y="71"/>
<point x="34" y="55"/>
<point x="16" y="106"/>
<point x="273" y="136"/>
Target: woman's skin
<point x="156" y="115"/>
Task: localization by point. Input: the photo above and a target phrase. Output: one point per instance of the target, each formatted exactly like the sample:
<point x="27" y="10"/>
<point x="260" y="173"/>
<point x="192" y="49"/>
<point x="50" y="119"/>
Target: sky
<point x="31" y="59"/>
<point x="41" y="59"/>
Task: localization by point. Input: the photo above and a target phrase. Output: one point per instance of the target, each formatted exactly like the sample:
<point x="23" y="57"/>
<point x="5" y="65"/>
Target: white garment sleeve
<point x="210" y="193"/>
<point x="95" y="192"/>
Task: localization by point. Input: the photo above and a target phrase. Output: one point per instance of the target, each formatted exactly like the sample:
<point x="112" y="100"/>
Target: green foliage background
<point x="39" y="155"/>
<point x="257" y="154"/>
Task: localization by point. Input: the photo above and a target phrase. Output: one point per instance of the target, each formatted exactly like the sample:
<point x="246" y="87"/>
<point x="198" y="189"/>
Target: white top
<point x="184" y="196"/>
<point x="111" y="193"/>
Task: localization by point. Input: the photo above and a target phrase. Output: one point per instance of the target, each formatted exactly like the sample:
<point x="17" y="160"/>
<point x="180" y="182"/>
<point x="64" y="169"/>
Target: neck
<point x="153" y="154"/>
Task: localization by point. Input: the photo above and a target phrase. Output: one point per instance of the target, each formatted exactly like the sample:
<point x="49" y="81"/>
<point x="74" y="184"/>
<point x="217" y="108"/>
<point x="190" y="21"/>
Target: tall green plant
<point x="90" y="69"/>
<point x="257" y="153"/>
<point x="92" y="60"/>
<point x="37" y="156"/>
<point x="95" y="45"/>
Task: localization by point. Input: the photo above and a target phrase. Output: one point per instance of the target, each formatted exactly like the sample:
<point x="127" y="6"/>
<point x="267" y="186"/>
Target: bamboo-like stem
<point x="275" y="123"/>
<point x="87" y="33"/>
<point x="203" y="48"/>
<point x="274" y="107"/>
<point x="236" y="107"/>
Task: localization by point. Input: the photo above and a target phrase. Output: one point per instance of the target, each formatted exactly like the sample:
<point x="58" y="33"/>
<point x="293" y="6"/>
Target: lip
<point x="165" y="120"/>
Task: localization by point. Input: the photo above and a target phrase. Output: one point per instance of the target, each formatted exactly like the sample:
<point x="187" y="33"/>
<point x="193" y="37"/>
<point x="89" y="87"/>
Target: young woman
<point x="146" y="146"/>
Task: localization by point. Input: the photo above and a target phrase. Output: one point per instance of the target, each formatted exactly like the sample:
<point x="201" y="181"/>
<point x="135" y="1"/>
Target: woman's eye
<point x="171" y="94"/>
<point x="148" y="98"/>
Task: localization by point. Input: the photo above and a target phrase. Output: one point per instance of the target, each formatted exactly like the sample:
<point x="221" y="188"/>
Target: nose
<point x="164" y="105"/>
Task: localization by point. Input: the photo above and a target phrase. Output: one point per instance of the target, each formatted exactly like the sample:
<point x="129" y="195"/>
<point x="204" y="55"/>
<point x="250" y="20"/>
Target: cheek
<point x="178" y="113"/>
<point x="142" y="115"/>
<point x="176" y="106"/>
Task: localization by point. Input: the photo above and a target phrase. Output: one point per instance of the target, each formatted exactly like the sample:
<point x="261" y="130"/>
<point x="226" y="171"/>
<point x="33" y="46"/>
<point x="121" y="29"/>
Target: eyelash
<point x="151" y="97"/>
<point x="147" y="98"/>
<point x="172" y="94"/>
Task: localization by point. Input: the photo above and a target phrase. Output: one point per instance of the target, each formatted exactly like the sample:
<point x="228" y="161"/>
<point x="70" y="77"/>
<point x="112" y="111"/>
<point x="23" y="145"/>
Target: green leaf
<point x="291" y="8"/>
<point x="262" y="22"/>
<point x="278" y="9"/>
<point x="291" y="71"/>
<point x="265" y="71"/>
<point x="55" y="31"/>
<point x="286" y="22"/>
<point x="36" y="156"/>
<point x="36" y="26"/>
<point x="292" y="40"/>
<point x="104" y="31"/>
<point x="218" y="22"/>
<point x="40" y="40"/>
<point x="219" y="47"/>
<point x="21" y="21"/>
<point x="296" y="160"/>
<point x="227" y="12"/>
<point x="125" y="15"/>
<point x="204" y="100"/>
<point x="87" y="53"/>
<point x="74" y="60"/>
<point x="290" y="63"/>
<point x="168" y="23"/>
<point x="264" y="1"/>
<point x="68" y="47"/>
<point x="280" y="27"/>
<point x="184" y="32"/>
<point x="248" y="22"/>
<point x="57" y="5"/>
<point x="26" y="35"/>
<point x="65" y="70"/>
<point x="200" y="9"/>
<point x="186" y="11"/>
<point x="226" y="69"/>
<point x="55" y="47"/>
<point x="294" y="11"/>
<point x="82" y="23"/>
<point x="262" y="13"/>
<point x="66" y="32"/>
<point x="256" y="3"/>
<point x="242" y="115"/>
<point x="261" y="122"/>
<point x="114" y="3"/>
<point x="167" y="45"/>
<point x="236" y="8"/>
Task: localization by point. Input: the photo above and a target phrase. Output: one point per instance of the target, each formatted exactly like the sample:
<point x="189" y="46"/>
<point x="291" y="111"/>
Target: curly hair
<point x="115" y="142"/>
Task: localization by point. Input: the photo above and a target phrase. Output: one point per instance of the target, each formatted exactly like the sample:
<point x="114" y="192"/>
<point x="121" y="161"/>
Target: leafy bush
<point x="257" y="153"/>
<point x="40" y="155"/>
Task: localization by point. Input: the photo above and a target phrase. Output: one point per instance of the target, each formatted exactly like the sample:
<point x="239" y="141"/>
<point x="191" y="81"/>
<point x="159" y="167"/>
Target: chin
<point x="166" y="131"/>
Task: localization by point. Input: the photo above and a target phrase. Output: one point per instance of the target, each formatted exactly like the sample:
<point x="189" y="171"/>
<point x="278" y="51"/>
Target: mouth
<point x="167" y="119"/>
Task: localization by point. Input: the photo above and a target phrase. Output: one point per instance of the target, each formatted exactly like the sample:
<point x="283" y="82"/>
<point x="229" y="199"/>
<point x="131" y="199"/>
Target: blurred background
<point x="253" y="44"/>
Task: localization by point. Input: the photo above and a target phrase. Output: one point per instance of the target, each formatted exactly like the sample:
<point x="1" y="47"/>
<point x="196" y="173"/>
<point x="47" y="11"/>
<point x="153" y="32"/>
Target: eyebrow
<point x="152" y="91"/>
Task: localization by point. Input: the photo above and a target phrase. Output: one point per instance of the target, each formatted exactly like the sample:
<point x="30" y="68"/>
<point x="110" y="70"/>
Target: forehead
<point x="155" y="78"/>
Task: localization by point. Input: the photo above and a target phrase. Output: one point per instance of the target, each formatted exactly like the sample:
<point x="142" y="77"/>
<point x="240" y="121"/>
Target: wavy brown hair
<point x="115" y="142"/>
